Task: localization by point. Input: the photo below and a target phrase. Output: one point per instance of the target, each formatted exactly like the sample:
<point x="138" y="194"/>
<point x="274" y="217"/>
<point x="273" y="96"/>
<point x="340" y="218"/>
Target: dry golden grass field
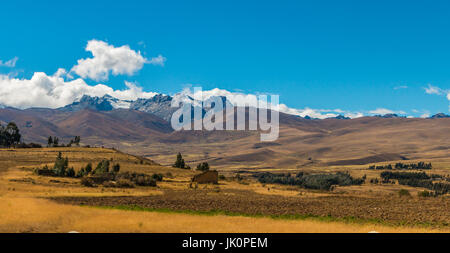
<point x="31" y="203"/>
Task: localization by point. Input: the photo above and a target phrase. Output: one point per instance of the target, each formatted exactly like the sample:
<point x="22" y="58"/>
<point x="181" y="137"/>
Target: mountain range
<point x="142" y="127"/>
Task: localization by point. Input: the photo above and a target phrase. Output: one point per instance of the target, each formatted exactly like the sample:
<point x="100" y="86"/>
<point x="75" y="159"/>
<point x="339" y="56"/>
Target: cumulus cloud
<point x="107" y="59"/>
<point x="10" y="64"/>
<point x="53" y="91"/>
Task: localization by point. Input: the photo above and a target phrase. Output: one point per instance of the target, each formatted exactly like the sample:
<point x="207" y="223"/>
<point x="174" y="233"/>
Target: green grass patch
<point x="328" y="218"/>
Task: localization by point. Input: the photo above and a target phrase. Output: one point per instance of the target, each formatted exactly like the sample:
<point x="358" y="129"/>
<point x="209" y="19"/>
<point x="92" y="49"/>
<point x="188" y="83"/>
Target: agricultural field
<point x="238" y="203"/>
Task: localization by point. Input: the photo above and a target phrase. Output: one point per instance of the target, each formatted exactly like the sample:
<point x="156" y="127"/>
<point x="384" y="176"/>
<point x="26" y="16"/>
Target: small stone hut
<point x="208" y="177"/>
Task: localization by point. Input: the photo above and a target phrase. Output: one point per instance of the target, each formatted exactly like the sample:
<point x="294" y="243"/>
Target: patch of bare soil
<point x="392" y="210"/>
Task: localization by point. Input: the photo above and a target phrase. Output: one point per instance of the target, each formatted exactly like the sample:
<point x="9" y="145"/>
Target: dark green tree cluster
<point x="310" y="181"/>
<point x="420" y="179"/>
<point x="203" y="166"/>
<point x="102" y="167"/>
<point x="404" y="175"/>
<point x="75" y="141"/>
<point x="53" y="141"/>
<point x="403" y="166"/>
<point x="60" y="168"/>
<point x="85" y="171"/>
<point x="179" y="163"/>
<point x="9" y="135"/>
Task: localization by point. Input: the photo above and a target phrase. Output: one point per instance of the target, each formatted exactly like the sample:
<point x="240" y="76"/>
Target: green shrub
<point x="404" y="192"/>
<point x="70" y="172"/>
<point x="116" y="168"/>
<point x="158" y="177"/>
<point x="88" y="168"/>
<point x="424" y="194"/>
<point x="203" y="166"/>
<point x="87" y="182"/>
<point x="102" y="167"/>
<point x="124" y="183"/>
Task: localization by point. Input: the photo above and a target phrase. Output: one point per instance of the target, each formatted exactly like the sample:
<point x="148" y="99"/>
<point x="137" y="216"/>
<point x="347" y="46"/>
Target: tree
<point x="88" y="168"/>
<point x="50" y="141"/>
<point x="77" y="140"/>
<point x="179" y="163"/>
<point x="203" y="166"/>
<point x="55" y="141"/>
<point x="102" y="167"/>
<point x="10" y="135"/>
<point x="60" y="165"/>
<point x="116" y="168"/>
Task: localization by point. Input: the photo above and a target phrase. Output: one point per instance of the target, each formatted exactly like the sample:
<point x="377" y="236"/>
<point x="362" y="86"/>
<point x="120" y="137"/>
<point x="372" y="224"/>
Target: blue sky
<point x="351" y="55"/>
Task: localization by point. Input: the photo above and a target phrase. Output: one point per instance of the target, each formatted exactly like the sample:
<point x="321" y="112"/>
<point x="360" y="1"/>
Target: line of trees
<point x="53" y="141"/>
<point x="403" y="166"/>
<point x="419" y="179"/>
<point x="310" y="181"/>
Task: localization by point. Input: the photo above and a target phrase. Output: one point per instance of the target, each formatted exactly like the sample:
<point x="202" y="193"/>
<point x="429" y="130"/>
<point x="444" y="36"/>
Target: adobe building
<point x="208" y="177"/>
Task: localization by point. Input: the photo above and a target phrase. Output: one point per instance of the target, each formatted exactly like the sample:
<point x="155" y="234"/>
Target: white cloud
<point x="400" y="87"/>
<point x="159" y="60"/>
<point x="109" y="59"/>
<point x="434" y="90"/>
<point x="382" y="111"/>
<point x="10" y="64"/>
<point x="53" y="91"/>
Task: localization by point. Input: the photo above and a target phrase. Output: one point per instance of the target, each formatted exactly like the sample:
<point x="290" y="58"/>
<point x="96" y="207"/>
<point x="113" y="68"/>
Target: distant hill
<point x="142" y="127"/>
<point x="440" y="116"/>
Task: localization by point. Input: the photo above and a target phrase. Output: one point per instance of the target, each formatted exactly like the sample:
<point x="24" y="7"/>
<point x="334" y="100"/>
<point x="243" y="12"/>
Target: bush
<point x="70" y="172"/>
<point x="158" y="177"/>
<point x="102" y="167"/>
<point x="124" y="183"/>
<point x="116" y="168"/>
<point x="203" y="166"/>
<point x="403" y="192"/>
<point x="81" y="173"/>
<point x="140" y="179"/>
<point x="88" y="168"/>
<point x="87" y="182"/>
<point x="145" y="181"/>
<point x="424" y="194"/>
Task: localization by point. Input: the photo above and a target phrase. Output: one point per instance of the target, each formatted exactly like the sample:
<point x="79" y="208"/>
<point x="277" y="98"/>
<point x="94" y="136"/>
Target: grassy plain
<point x="27" y="201"/>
